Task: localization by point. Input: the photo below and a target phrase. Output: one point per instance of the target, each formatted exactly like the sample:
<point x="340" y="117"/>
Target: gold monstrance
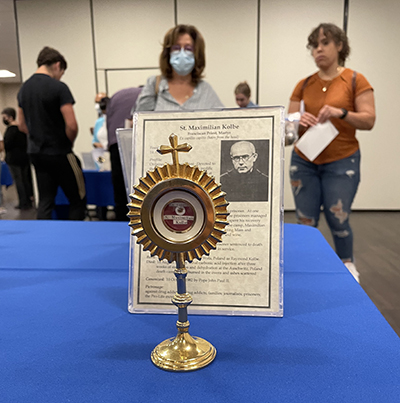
<point x="178" y="213"/>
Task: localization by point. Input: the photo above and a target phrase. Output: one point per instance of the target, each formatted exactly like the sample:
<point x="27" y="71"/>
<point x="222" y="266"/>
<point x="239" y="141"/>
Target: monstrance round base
<point x="183" y="353"/>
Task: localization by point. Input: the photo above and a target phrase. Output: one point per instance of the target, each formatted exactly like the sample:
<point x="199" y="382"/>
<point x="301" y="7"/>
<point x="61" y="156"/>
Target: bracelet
<point x="345" y="112"/>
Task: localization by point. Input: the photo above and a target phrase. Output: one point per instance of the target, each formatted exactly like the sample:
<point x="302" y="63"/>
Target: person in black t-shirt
<point x="15" y="145"/>
<point x="46" y="113"/>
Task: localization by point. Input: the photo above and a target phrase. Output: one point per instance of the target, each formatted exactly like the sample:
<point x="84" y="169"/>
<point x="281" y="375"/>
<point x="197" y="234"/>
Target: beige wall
<point x="128" y="35"/>
<point x="284" y="54"/>
<point x="375" y="34"/>
<point x="64" y="25"/>
<point x="230" y="31"/>
<point x="8" y="98"/>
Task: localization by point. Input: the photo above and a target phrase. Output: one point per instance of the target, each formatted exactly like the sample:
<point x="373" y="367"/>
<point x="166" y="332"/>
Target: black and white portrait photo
<point x="245" y="170"/>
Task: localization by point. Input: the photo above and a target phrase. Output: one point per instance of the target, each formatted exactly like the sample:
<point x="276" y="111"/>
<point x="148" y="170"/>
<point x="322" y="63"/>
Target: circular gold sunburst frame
<point x="172" y="182"/>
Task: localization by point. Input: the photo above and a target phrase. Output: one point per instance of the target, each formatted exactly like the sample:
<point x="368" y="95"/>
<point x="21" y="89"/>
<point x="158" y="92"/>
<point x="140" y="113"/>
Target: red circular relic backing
<point x="178" y="215"/>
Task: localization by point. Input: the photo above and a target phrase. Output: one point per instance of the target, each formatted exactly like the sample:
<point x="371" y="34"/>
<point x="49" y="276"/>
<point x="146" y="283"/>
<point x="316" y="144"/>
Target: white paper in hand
<point x="316" y="139"/>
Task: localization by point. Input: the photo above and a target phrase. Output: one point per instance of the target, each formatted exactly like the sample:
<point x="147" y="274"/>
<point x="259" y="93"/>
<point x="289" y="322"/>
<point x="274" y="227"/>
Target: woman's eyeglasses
<point x="177" y="48"/>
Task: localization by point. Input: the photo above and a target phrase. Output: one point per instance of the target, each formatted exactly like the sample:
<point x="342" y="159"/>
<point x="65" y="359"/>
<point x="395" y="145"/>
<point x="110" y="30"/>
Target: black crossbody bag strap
<point x="304" y="85"/>
<point x="353" y="88"/>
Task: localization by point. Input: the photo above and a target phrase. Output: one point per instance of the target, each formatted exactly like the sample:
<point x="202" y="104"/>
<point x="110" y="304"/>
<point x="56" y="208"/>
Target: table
<point x="99" y="189"/>
<point x="66" y="335"/>
<point x="99" y="192"/>
<point x="5" y="177"/>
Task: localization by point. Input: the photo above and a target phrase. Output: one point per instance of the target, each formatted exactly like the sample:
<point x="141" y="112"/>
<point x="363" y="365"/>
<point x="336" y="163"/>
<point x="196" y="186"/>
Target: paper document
<point x="243" y="275"/>
<point x="316" y="139"/>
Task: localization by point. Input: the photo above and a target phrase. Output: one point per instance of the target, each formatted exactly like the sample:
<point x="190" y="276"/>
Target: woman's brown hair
<point x="170" y="39"/>
<point x="331" y="31"/>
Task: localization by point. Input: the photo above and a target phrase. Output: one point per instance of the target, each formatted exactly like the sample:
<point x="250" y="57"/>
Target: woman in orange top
<point x="344" y="97"/>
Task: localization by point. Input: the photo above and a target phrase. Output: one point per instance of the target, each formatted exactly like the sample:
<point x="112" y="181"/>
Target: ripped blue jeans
<point x="332" y="186"/>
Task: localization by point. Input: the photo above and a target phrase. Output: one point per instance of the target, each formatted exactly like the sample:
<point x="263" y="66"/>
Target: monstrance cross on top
<point x="175" y="148"/>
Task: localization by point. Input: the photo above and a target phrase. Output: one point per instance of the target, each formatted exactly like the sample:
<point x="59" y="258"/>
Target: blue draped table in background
<point x="66" y="335"/>
<point x="99" y="192"/>
<point x="5" y="177"/>
<point x="99" y="189"/>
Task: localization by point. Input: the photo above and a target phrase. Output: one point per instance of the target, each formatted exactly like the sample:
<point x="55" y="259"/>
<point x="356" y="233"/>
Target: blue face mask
<point x="182" y="61"/>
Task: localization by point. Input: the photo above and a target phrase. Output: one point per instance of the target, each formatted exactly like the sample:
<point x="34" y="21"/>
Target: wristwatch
<point x="345" y="112"/>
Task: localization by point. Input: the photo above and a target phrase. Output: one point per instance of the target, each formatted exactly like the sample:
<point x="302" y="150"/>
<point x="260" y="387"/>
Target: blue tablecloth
<point x="99" y="192"/>
<point x="99" y="189"/>
<point x="66" y="335"/>
<point x="5" y="177"/>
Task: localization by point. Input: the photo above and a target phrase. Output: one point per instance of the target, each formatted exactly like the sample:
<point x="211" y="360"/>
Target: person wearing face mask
<point x="99" y="96"/>
<point x="100" y="128"/>
<point x="180" y="86"/>
<point x="97" y="100"/>
<point x="15" y="145"/>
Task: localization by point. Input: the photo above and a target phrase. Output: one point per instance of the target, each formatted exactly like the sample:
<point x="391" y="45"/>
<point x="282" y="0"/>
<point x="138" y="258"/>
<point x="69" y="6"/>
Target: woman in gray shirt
<point x="180" y="87"/>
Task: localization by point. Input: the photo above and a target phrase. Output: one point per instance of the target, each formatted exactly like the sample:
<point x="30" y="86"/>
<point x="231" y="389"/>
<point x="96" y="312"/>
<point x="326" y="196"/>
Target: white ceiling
<point x="9" y="59"/>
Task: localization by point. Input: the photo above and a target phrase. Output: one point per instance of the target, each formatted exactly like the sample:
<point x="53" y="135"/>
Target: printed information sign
<point x="243" y="150"/>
